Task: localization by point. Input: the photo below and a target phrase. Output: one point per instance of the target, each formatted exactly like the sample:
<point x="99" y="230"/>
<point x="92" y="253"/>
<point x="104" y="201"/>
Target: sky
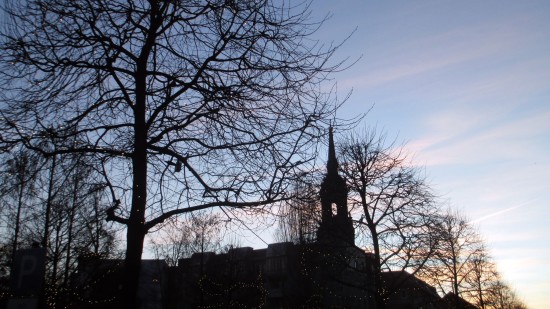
<point x="466" y="85"/>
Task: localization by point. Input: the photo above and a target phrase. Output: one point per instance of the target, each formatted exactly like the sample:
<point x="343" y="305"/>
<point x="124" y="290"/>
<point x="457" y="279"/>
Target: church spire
<point x="332" y="162"/>
<point x="334" y="192"/>
<point x="333" y="189"/>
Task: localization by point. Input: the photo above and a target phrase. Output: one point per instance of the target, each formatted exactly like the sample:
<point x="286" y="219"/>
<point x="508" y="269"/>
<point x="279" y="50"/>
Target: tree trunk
<point x="135" y="229"/>
<point x="53" y="289"/>
<point x="49" y="205"/>
<point x="379" y="297"/>
<point x="72" y="210"/>
<point x="481" y="301"/>
<point x="455" y="279"/>
<point x="136" y="222"/>
<point x="132" y="266"/>
<point x="18" y="216"/>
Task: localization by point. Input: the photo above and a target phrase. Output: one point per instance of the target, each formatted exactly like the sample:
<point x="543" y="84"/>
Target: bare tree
<point x="19" y="192"/>
<point x="78" y="192"/>
<point x="63" y="209"/>
<point x="56" y="200"/>
<point x="195" y="233"/>
<point x="459" y="246"/>
<point x="503" y="297"/>
<point x="299" y="217"/>
<point x="189" y="105"/>
<point x="394" y="202"/>
<point x="482" y="278"/>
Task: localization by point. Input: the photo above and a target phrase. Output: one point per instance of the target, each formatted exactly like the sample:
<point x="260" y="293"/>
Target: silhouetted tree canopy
<point x="395" y="206"/>
<point x="185" y="104"/>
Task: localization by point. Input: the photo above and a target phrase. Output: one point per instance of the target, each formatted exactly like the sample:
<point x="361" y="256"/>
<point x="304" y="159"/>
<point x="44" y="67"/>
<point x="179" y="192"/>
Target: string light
<point x="333" y="276"/>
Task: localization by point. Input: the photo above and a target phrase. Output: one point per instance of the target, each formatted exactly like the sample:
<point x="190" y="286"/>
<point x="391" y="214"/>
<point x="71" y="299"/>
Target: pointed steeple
<point x="332" y="162"/>
<point x="333" y="188"/>
<point x="334" y="192"/>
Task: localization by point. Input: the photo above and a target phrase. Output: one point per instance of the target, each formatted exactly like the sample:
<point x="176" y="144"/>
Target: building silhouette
<point x="405" y="291"/>
<point x="330" y="272"/>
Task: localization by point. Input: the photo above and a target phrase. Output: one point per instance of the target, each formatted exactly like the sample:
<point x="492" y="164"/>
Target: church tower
<point x="336" y="225"/>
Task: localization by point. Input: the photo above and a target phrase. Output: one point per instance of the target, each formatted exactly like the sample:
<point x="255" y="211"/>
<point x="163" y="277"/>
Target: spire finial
<point x="332" y="162"/>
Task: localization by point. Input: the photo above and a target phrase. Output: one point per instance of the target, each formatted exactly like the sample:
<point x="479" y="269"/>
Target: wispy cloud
<point x="417" y="56"/>
<point x="466" y="84"/>
<point x="460" y="139"/>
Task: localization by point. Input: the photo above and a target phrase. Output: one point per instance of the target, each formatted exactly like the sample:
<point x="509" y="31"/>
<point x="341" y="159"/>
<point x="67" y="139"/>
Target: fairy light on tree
<point x="187" y="106"/>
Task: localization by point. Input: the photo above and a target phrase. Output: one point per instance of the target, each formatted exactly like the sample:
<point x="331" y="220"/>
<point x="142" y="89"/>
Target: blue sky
<point x="467" y="85"/>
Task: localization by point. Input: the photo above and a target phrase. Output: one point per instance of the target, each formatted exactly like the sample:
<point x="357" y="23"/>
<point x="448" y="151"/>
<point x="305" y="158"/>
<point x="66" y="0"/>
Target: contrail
<point x="502" y="211"/>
